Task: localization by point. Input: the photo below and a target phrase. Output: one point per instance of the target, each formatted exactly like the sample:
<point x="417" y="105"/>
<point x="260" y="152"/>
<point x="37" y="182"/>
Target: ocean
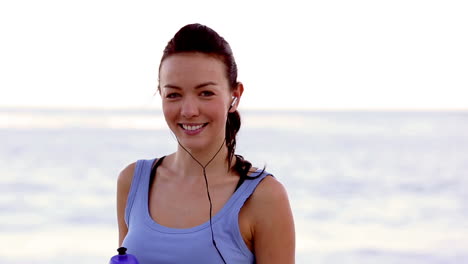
<point x="387" y="187"/>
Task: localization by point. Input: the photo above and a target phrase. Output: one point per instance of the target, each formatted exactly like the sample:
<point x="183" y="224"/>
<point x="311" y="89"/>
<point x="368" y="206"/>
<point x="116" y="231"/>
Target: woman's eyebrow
<point x="170" y="86"/>
<point x="205" y="84"/>
<point x="198" y="86"/>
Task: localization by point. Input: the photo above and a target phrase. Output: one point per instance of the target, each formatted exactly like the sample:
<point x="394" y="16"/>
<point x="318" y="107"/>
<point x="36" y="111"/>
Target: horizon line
<point x="286" y="109"/>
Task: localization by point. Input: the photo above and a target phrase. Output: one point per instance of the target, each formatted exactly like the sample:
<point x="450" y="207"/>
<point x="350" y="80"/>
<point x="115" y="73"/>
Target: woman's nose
<point x="189" y="108"/>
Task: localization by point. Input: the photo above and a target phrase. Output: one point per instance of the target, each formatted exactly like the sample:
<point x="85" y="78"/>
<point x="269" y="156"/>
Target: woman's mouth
<point x="192" y="129"/>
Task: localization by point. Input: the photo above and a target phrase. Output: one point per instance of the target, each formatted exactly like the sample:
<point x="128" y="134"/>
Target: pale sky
<point x="291" y="54"/>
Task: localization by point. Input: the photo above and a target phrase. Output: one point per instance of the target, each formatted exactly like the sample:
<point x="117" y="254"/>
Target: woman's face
<point x="195" y="99"/>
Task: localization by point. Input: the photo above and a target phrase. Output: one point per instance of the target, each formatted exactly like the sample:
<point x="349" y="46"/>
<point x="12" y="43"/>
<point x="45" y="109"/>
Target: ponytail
<point x="241" y="165"/>
<point x="233" y="124"/>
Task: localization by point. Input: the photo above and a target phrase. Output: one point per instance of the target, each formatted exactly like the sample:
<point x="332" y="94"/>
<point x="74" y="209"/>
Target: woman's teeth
<point x="187" y="127"/>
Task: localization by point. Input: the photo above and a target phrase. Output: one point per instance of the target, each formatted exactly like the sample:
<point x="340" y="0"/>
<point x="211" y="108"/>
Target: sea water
<point x="365" y="187"/>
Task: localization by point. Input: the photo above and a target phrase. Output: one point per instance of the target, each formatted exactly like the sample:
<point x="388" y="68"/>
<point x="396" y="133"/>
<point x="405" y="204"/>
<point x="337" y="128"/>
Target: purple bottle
<point x="123" y="257"/>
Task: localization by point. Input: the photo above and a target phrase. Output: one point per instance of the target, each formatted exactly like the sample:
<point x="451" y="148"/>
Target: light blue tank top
<point x="153" y="243"/>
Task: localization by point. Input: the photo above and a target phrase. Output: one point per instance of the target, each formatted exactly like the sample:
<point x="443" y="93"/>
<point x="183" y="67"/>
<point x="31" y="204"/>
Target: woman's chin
<point x="199" y="145"/>
<point x="192" y="145"/>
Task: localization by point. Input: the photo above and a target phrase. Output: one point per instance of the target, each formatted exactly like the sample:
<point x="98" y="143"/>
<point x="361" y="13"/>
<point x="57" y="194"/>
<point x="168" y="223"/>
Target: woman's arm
<point x="123" y="187"/>
<point x="273" y="232"/>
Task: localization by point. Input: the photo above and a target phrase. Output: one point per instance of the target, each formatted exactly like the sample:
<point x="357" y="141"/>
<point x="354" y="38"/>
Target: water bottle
<point x="123" y="257"/>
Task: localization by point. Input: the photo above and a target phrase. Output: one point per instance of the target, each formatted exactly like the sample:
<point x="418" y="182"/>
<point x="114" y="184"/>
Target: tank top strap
<point x="140" y="182"/>
<point x="246" y="190"/>
<point x="251" y="183"/>
<point x="230" y="222"/>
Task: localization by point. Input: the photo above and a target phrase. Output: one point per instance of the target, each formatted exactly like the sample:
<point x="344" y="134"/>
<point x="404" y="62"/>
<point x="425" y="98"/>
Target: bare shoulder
<point x="124" y="182"/>
<point x="269" y="190"/>
<point x="126" y="175"/>
<point x="269" y="194"/>
<point x="273" y="224"/>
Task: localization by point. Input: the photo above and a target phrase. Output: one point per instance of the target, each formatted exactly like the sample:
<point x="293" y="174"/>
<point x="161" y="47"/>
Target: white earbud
<point x="234" y="101"/>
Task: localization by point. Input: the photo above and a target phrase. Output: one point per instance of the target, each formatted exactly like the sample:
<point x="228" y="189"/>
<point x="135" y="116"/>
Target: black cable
<point x="208" y="192"/>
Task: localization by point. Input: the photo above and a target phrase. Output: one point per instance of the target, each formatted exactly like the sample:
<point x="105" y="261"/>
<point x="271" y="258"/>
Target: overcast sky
<point x="291" y="54"/>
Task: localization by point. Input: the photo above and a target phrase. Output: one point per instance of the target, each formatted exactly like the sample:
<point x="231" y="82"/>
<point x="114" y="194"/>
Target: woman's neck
<point x="190" y="163"/>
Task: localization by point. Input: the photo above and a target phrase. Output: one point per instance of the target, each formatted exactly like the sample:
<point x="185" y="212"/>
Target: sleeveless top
<point x="153" y="243"/>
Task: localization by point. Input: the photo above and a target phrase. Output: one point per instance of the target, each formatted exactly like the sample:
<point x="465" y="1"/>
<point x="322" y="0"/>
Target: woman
<point x="203" y="203"/>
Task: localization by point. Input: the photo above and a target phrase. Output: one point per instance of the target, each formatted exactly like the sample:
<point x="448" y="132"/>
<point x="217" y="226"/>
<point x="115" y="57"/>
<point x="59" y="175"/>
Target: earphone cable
<point x="208" y="191"/>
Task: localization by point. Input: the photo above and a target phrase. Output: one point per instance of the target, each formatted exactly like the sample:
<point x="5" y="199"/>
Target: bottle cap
<point x="123" y="257"/>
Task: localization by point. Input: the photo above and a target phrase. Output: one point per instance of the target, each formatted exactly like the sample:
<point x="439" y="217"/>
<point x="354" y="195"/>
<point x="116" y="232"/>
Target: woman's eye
<point x="172" y="95"/>
<point x="206" y="93"/>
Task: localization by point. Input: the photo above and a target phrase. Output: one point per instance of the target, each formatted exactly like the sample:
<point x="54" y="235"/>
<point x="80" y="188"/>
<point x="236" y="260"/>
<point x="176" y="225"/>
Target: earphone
<point x="233" y="102"/>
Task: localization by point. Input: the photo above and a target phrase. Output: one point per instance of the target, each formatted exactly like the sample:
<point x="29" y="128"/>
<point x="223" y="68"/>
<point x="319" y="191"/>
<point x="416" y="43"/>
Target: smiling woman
<point x="194" y="88"/>
<point x="203" y="203"/>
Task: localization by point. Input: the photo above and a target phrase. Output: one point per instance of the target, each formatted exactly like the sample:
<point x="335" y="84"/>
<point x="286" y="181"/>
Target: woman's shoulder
<point x="268" y="190"/>
<point x="126" y="175"/>
<point x="267" y="197"/>
<point x="273" y="224"/>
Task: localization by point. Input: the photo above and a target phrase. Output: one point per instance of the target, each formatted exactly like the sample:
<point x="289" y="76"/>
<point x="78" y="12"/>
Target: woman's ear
<point x="236" y="96"/>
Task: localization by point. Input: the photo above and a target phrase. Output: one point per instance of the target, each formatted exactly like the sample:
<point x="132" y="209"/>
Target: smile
<point x="192" y="127"/>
